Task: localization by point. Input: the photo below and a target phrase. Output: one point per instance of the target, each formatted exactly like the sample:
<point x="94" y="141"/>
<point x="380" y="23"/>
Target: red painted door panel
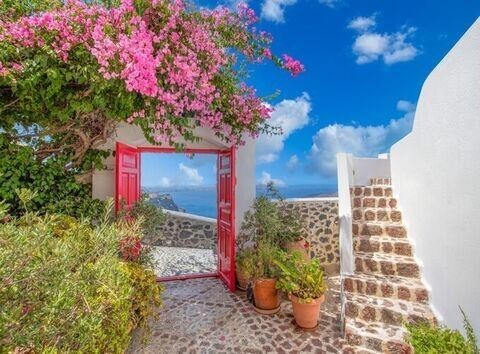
<point x="127" y="169"/>
<point x="226" y="217"/>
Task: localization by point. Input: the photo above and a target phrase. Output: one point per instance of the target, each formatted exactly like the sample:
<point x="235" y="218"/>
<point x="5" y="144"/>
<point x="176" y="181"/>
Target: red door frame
<point x="228" y="276"/>
<point x="121" y="147"/>
<point x="154" y="149"/>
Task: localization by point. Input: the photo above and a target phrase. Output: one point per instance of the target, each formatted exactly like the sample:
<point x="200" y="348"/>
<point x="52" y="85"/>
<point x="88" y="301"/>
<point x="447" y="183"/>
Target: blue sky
<point x="365" y="64"/>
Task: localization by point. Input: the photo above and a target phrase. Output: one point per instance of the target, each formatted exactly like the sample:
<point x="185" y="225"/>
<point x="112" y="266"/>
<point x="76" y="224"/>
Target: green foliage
<point x="55" y="187"/>
<point x="271" y="221"/>
<point x="263" y="261"/>
<point x="300" y="277"/>
<point x="65" y="288"/>
<point x="429" y="339"/>
<point x="245" y="260"/>
<point x="151" y="215"/>
<point x="14" y="9"/>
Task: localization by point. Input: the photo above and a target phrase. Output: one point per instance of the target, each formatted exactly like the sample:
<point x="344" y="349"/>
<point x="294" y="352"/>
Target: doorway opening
<point x="199" y="243"/>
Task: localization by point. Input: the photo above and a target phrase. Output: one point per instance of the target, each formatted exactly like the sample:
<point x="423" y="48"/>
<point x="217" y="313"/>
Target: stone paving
<point x="201" y="316"/>
<point x="182" y="260"/>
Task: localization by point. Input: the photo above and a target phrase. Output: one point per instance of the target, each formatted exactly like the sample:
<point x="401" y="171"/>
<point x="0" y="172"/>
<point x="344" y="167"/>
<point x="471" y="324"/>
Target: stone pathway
<point x="177" y="261"/>
<point x="201" y="316"/>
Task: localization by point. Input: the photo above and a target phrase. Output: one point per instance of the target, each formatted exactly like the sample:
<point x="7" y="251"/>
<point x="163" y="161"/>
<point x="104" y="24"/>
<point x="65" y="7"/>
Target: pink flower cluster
<point x="292" y="65"/>
<point x="172" y="58"/>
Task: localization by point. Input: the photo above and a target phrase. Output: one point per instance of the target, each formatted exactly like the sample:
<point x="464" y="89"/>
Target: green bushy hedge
<point x="56" y="187"/>
<point x="64" y="287"/>
<point x="426" y="338"/>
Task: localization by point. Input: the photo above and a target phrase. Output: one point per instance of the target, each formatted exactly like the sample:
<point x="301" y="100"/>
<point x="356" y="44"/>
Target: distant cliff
<point x="163" y="200"/>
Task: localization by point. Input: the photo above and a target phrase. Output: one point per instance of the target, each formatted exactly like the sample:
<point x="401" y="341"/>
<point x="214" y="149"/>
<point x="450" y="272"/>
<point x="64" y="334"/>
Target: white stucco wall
<point x="436" y="177"/>
<point x="245" y="186"/>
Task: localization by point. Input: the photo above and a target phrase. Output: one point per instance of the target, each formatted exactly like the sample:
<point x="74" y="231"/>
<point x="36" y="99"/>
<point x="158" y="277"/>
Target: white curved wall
<point x="436" y="176"/>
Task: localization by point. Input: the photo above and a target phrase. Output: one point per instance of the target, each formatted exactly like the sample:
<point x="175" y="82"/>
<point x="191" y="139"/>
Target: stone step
<point x="371" y="191"/>
<point x="374" y="202"/>
<point x="390" y="229"/>
<point x="392" y="312"/>
<point x="376" y="337"/>
<point x="386" y="264"/>
<point x="380" y="181"/>
<point x="376" y="214"/>
<point x="408" y="289"/>
<point x="383" y="244"/>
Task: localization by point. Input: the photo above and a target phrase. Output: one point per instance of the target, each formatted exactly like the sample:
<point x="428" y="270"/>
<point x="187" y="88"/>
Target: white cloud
<point x="191" y="174"/>
<point x="165" y="182"/>
<point x="406" y="106"/>
<point x="267" y="178"/>
<point x="362" y="24"/>
<point x="273" y="10"/>
<point x="370" y="45"/>
<point x="292" y="163"/>
<point x="329" y="3"/>
<point x="233" y="4"/>
<point x="289" y="115"/>
<point x="361" y="141"/>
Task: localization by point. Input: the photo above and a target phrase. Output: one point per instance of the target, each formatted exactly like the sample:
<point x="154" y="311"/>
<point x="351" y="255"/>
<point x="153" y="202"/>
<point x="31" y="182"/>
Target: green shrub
<point x="271" y="221"/>
<point x="57" y="190"/>
<point x="263" y="259"/>
<point x="152" y="216"/>
<point x="65" y="288"/>
<point x="300" y="277"/>
<point x="245" y="260"/>
<point x="426" y="338"/>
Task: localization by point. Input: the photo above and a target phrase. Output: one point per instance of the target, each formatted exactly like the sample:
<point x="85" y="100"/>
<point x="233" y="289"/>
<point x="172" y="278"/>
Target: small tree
<point x="72" y="71"/>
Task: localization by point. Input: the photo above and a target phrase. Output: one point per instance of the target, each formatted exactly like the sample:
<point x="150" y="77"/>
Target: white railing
<point x="345" y="181"/>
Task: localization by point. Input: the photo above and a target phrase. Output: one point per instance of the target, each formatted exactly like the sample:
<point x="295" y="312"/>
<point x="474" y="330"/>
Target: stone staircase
<point x="386" y="289"/>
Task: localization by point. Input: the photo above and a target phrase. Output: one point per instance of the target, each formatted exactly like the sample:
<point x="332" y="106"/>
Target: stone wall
<point x="185" y="230"/>
<point x="320" y="220"/>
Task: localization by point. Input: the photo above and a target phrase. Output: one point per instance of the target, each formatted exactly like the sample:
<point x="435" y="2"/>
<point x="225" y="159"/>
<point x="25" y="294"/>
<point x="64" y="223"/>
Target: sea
<point x="203" y="200"/>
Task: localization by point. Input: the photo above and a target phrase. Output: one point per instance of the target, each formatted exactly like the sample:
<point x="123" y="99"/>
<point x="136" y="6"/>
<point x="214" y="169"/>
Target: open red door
<point x="127" y="175"/>
<point x="226" y="217"/>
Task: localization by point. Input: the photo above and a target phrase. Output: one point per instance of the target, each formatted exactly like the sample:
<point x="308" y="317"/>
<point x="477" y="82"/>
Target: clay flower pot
<point x="266" y="295"/>
<point x="306" y="314"/>
<point x="242" y="279"/>
<point x="300" y="246"/>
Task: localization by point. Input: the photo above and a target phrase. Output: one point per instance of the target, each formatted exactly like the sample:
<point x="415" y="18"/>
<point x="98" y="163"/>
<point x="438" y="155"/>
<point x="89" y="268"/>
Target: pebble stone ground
<point x="177" y="260"/>
<point x="202" y="316"/>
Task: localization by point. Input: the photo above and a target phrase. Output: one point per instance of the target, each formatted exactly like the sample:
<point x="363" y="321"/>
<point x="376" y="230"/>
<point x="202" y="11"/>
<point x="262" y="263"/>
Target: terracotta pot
<point x="300" y="246"/>
<point x="242" y="279"/>
<point x="266" y="295"/>
<point x="306" y="314"/>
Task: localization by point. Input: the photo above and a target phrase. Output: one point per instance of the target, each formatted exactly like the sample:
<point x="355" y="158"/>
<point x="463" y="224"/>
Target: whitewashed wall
<point x="436" y="176"/>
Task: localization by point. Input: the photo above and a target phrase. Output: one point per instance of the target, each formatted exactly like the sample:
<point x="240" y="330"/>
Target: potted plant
<point x="272" y="220"/>
<point x="264" y="274"/>
<point x="304" y="282"/>
<point x="244" y="265"/>
<point x="291" y="235"/>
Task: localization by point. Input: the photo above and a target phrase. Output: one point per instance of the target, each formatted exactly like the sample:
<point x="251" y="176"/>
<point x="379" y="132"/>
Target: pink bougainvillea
<point x="181" y="62"/>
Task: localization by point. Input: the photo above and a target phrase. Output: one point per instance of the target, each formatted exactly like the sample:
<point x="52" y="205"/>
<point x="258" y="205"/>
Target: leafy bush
<point x="56" y="187"/>
<point x="65" y="288"/>
<point x="245" y="260"/>
<point x="300" y="277"/>
<point x="271" y="221"/>
<point x="152" y="216"/>
<point x="263" y="260"/>
<point x="427" y="338"/>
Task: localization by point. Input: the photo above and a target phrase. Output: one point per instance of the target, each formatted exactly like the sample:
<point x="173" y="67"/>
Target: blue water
<point x="203" y="200"/>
